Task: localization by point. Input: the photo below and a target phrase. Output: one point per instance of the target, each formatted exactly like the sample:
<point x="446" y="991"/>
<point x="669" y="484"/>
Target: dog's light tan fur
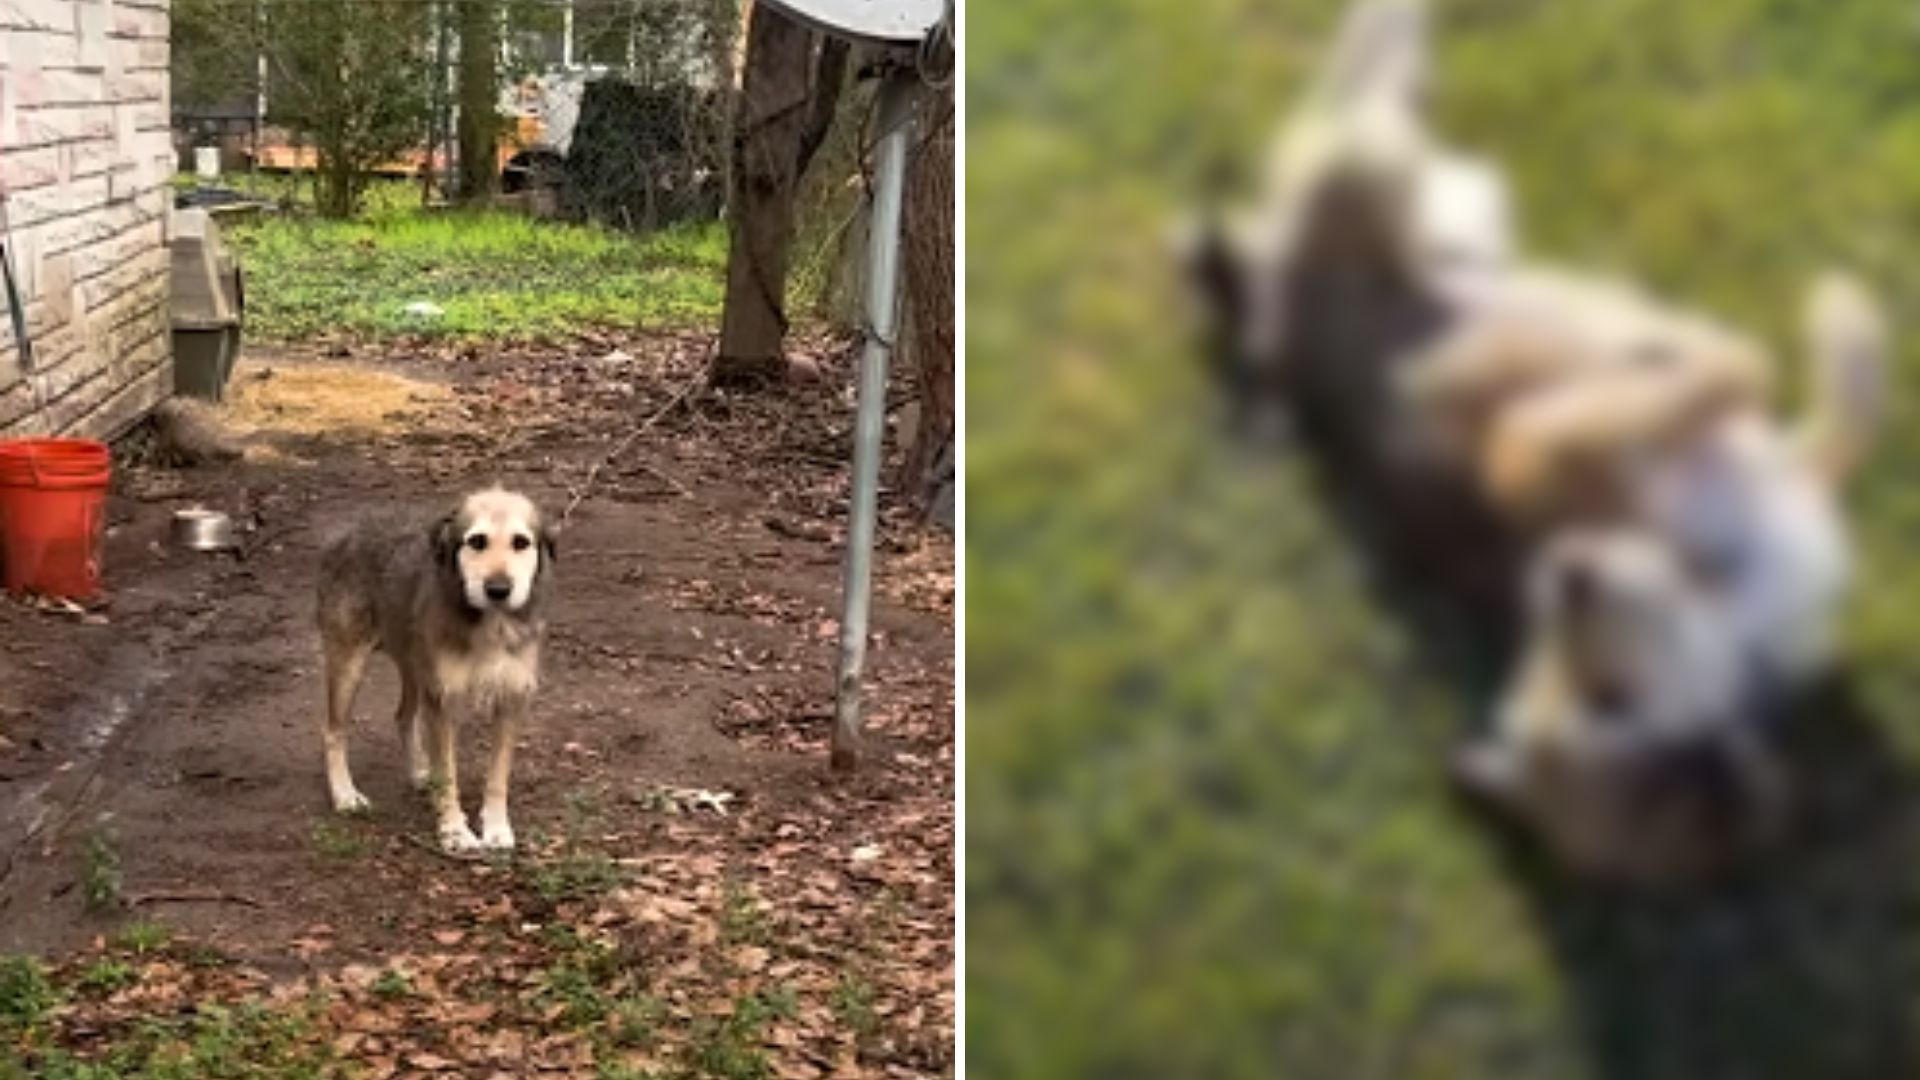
<point x="1552" y="380"/>
<point x="456" y="605"/>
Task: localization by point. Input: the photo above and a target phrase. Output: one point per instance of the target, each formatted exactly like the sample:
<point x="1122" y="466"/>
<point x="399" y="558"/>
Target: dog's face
<point x="498" y="547"/>
<point x="1623" y="744"/>
<point x="1636" y="640"/>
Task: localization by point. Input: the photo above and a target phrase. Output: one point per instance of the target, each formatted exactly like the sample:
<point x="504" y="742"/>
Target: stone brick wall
<point x="86" y="160"/>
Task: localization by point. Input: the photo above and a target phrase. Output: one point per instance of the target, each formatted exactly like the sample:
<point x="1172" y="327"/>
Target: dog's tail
<point x="1379" y="52"/>
<point x="1847" y="342"/>
<point x="1365" y="109"/>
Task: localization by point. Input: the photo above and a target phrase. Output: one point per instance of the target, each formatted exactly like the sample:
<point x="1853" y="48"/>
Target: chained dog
<point x="458" y="605"/>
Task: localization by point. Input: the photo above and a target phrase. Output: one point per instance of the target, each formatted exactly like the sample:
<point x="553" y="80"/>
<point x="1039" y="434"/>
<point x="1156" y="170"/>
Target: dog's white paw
<point x="350" y="801"/>
<point x="496" y="835"/>
<point x="420" y="777"/>
<point x="457" y="838"/>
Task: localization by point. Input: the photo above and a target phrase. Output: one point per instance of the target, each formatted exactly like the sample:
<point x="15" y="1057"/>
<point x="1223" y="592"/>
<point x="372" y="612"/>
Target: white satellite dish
<point x="897" y="21"/>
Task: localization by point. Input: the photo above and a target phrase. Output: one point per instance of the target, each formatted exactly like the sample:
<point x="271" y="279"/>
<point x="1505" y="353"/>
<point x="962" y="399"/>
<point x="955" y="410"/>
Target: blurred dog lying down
<point x="1683" y="544"/>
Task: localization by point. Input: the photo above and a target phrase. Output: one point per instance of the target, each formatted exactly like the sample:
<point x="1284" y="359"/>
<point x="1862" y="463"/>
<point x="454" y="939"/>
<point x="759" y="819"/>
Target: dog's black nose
<point x="499" y="588"/>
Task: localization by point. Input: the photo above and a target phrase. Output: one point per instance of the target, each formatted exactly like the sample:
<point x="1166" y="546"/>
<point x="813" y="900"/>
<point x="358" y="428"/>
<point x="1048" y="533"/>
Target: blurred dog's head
<point x="1638" y="640"/>
<point x="1626" y="741"/>
<point x="497" y="547"/>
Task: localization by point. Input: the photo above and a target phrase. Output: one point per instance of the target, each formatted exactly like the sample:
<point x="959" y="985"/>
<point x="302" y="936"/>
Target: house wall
<point x="86" y="160"/>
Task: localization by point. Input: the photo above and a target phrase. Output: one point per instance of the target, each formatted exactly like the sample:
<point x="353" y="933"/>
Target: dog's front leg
<point x="455" y="834"/>
<point x="1582" y="438"/>
<point x="508" y="713"/>
<point x="407" y="719"/>
<point x="345" y="665"/>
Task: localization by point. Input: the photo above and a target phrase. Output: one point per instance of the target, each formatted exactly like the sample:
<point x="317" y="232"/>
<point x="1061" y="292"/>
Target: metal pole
<point x="259" y="92"/>
<point x="435" y="17"/>
<point x="883" y="274"/>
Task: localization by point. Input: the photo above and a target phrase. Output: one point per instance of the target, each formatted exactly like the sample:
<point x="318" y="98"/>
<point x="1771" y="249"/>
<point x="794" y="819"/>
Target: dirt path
<point x="162" y="762"/>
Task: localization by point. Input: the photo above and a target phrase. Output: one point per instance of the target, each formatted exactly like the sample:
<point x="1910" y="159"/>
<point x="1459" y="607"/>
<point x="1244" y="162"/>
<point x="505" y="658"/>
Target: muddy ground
<point x="159" y="757"/>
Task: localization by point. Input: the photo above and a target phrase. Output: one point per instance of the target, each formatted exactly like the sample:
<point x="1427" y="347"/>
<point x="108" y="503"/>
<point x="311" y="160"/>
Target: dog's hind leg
<point x="345" y="665"/>
<point x="495" y="831"/>
<point x="455" y="833"/>
<point x="1848" y="337"/>
<point x="407" y="719"/>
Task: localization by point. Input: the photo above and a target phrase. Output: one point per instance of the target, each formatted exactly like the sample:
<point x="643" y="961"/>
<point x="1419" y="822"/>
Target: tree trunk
<point x="335" y="181"/>
<point x="479" y="127"/>
<point x="789" y="88"/>
<point x="929" y="247"/>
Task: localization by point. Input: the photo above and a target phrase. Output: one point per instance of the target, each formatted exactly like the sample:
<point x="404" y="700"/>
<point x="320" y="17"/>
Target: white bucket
<point x="206" y="162"/>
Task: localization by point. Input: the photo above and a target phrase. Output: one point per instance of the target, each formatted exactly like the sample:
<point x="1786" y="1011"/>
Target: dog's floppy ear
<point x="444" y="537"/>
<point x="1212" y="274"/>
<point x="549" y="542"/>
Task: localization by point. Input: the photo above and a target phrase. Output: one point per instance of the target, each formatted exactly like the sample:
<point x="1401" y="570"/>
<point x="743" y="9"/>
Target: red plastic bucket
<point x="53" y="495"/>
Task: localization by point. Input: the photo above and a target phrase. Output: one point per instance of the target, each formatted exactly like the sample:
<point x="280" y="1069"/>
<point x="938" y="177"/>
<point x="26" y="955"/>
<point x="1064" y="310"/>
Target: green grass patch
<point x="26" y="994"/>
<point x="853" y="1007"/>
<point x="580" y="870"/>
<point x="384" y="197"/>
<point x="216" y="1042"/>
<point x="743" y="919"/>
<point x="392" y="985"/>
<point x="100" y="871"/>
<point x="732" y="1047"/>
<point x="243" y="1040"/>
<point x="337" y="840"/>
<point x="493" y="276"/>
<point x="106" y="975"/>
<point x="577" y="981"/>
<point x="577" y="874"/>
<point x="633" y="1021"/>
<point x="142" y="936"/>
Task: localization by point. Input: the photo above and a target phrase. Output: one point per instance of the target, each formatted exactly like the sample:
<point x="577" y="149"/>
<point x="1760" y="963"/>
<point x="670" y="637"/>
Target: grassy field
<point x="493" y="274"/>
<point x="1208" y="830"/>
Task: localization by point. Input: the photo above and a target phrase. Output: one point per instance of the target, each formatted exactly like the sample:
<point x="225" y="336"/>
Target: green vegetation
<point x="586" y="990"/>
<point x="494" y="275"/>
<point x="100" y="872"/>
<point x="743" y="921"/>
<point x="634" y="1021"/>
<point x="246" y="1042"/>
<point x="576" y="980"/>
<point x="142" y="937"/>
<point x="853" y="1008"/>
<point x="729" y="1047"/>
<point x="25" y="995"/>
<point x="1208" y="828"/>
<point x="337" y="840"/>
<point x="581" y="869"/>
<point x="107" y="974"/>
<point x="392" y="985"/>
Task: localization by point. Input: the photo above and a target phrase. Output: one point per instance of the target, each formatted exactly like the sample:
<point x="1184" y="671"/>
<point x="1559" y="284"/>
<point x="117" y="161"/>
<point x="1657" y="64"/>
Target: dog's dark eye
<point x="478" y="541"/>
<point x="521" y="543"/>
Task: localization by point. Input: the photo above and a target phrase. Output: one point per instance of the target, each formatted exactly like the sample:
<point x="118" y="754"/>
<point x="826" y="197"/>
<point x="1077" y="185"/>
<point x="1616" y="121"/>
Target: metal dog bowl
<point x="202" y="530"/>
